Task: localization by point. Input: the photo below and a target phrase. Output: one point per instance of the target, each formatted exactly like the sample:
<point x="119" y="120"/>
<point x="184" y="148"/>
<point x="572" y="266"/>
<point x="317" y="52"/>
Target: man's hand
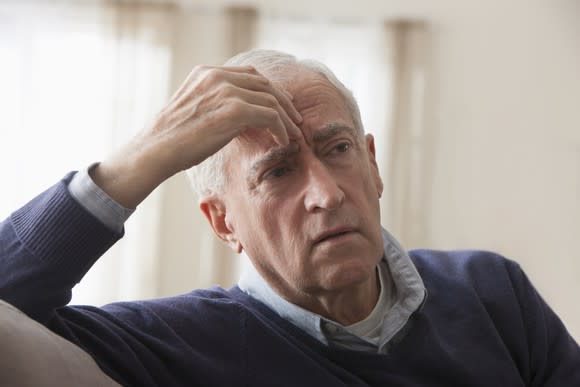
<point x="213" y="106"/>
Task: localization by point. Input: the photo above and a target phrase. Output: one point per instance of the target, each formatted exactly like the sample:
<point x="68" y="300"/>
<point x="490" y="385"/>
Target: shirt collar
<point x="409" y="295"/>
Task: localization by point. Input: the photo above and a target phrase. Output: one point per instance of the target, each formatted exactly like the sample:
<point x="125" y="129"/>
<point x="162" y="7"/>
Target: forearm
<point x="213" y="106"/>
<point x="46" y="247"/>
<point x="132" y="173"/>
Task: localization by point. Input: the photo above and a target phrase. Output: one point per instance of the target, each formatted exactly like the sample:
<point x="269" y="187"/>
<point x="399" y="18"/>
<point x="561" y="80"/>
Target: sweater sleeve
<point x="554" y="356"/>
<point x="46" y="247"/>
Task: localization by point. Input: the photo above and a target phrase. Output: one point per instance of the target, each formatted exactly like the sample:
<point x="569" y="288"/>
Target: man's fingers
<point x="288" y="112"/>
<point x="263" y="104"/>
<point x="285" y="100"/>
<point x="257" y="82"/>
<point x="258" y="117"/>
<point x="244" y="77"/>
<point x="267" y="100"/>
<point x="239" y="69"/>
<point x="276" y="126"/>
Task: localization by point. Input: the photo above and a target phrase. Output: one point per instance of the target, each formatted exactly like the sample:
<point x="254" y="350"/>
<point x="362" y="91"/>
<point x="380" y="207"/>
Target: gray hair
<point x="209" y="177"/>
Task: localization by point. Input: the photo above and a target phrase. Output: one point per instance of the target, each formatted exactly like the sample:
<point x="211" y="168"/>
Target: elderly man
<point x="285" y="173"/>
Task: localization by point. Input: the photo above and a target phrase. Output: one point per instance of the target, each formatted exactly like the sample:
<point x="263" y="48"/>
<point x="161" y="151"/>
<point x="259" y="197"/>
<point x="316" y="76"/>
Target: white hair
<point x="209" y="177"/>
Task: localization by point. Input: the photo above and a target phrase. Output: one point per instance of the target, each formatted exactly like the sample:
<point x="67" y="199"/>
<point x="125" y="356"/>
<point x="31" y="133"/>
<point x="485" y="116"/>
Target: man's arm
<point x="213" y="106"/>
<point x="47" y="246"/>
<point x="97" y="202"/>
<point x="554" y="356"/>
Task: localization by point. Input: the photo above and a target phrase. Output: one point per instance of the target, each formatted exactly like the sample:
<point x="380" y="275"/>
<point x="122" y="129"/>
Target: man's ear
<point x="215" y="212"/>
<point x="370" y="143"/>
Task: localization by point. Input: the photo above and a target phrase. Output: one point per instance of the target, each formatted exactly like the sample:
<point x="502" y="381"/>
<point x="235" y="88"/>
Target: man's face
<point x="307" y="214"/>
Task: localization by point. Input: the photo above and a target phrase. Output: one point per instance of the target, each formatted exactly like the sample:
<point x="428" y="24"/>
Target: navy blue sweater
<point x="483" y="324"/>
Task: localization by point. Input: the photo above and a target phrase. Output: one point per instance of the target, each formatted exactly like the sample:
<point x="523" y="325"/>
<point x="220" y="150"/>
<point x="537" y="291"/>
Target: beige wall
<point x="507" y="119"/>
<point x="503" y="111"/>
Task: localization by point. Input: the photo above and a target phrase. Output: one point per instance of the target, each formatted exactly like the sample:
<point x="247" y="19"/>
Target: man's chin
<point x="348" y="273"/>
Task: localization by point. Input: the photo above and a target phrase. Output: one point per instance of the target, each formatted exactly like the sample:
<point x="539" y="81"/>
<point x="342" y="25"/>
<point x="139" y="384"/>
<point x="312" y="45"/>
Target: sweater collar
<point x="409" y="295"/>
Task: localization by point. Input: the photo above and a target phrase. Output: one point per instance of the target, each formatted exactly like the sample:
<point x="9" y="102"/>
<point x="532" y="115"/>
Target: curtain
<point x="410" y="155"/>
<point x="57" y="71"/>
<point x="78" y="79"/>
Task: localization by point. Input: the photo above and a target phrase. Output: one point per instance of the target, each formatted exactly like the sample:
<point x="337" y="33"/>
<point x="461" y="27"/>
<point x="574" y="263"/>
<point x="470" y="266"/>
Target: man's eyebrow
<point x="330" y="130"/>
<point x="274" y="155"/>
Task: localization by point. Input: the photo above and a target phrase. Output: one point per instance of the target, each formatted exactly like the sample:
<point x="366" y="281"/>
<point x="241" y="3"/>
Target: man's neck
<point x="349" y="306"/>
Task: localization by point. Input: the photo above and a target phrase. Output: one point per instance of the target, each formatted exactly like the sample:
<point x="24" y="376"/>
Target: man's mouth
<point x="333" y="234"/>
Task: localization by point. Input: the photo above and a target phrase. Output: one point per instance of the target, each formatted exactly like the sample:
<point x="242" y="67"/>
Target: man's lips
<point x="332" y="233"/>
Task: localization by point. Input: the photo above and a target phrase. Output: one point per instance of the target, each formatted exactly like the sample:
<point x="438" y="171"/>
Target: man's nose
<point x="322" y="191"/>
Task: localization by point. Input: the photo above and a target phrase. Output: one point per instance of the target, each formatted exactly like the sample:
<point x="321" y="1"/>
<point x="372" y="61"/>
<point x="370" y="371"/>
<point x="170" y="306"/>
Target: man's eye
<point x="277" y="172"/>
<point x="343" y="147"/>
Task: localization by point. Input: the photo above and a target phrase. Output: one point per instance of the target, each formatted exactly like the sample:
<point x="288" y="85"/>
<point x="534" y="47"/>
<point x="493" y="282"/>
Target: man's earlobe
<point x="216" y="214"/>
<point x="236" y="246"/>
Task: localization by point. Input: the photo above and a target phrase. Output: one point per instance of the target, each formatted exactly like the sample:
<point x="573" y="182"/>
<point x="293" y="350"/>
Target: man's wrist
<point x="132" y="173"/>
<point x="96" y="201"/>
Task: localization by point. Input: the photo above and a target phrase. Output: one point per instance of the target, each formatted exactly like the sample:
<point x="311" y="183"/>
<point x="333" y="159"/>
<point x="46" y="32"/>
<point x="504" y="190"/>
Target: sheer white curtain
<point x="141" y="37"/>
<point x="406" y="204"/>
<point x="79" y="78"/>
<point x="55" y="98"/>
